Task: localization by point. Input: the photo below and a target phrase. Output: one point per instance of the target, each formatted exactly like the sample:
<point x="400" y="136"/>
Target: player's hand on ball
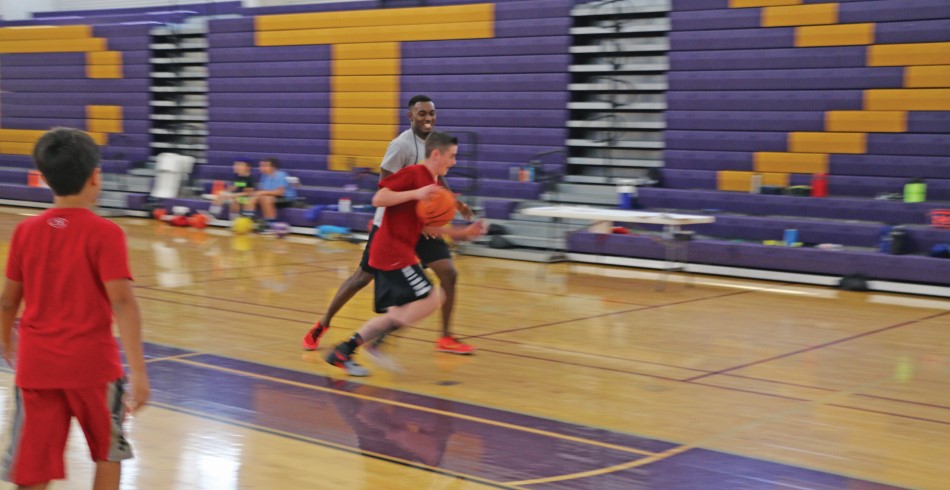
<point x="423" y="193"/>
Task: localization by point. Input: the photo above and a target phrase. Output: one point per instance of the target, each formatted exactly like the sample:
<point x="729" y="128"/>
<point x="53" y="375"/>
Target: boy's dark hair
<point x="66" y="157"/>
<point x="272" y="161"/>
<point x="416" y="99"/>
<point x="439" y="141"/>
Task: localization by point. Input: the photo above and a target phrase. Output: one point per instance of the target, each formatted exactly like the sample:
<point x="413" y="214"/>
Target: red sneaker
<point x="312" y="340"/>
<point x="452" y="345"/>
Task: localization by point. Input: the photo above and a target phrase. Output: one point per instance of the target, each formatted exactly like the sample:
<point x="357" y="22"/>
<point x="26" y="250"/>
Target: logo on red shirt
<point x="58" y="222"/>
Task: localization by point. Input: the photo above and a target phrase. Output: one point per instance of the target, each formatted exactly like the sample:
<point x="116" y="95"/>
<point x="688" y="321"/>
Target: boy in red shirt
<point x="70" y="269"/>
<point x="403" y="293"/>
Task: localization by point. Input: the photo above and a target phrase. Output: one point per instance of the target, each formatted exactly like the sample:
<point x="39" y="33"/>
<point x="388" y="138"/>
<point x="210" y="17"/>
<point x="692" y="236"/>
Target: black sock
<point x="349" y="346"/>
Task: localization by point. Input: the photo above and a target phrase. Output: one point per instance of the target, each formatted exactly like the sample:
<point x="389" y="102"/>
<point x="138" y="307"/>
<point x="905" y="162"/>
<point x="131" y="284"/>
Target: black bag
<point x="853" y="282"/>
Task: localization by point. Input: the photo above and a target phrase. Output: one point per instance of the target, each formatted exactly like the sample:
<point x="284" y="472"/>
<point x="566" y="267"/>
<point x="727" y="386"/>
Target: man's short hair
<point x="66" y="157"/>
<point x="416" y="99"/>
<point x="439" y="141"/>
<point x="272" y="161"/>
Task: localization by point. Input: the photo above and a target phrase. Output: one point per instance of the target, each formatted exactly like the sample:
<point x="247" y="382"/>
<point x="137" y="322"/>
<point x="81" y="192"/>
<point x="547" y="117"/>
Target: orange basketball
<point x="438" y="209"/>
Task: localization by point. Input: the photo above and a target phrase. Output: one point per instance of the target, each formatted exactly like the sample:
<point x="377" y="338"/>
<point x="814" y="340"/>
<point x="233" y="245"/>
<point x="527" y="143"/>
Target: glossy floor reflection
<point x="466" y="441"/>
<point x="586" y="378"/>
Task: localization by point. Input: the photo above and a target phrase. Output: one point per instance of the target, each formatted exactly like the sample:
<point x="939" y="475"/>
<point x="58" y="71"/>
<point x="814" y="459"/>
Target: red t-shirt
<point x="394" y="244"/>
<point x="64" y="257"/>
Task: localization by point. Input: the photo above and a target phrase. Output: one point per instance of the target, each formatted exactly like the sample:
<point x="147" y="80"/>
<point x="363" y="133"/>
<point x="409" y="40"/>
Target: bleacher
<point x="856" y="90"/>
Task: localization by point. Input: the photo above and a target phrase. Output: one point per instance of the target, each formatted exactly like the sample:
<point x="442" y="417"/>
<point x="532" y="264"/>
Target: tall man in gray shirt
<point x="406" y="149"/>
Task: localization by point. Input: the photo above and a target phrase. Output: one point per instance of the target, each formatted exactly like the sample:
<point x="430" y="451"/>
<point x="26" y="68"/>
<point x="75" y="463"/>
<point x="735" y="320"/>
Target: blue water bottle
<point x="627" y="194"/>
<point x="791" y="237"/>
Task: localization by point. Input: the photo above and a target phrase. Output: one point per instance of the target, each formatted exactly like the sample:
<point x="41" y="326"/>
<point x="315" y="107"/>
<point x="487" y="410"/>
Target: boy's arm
<point x="461" y="206"/>
<point x="460" y="233"/>
<point x="126" y="311"/>
<point x="9" y="305"/>
<point x="386" y="197"/>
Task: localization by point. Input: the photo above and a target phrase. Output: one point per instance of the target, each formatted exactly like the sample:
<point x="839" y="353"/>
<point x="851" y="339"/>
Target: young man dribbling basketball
<point x="405" y="150"/>
<point x="403" y="293"/>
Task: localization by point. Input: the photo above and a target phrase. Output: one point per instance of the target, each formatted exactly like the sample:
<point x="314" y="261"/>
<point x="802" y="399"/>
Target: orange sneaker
<point x="312" y="340"/>
<point x="452" y="345"/>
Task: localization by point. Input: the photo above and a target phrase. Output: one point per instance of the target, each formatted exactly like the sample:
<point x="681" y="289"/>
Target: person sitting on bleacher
<point x="273" y="191"/>
<point x="238" y="193"/>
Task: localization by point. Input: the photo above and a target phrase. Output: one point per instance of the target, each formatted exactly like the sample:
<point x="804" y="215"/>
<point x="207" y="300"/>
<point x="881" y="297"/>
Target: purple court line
<point x="605" y="356"/>
<point x="228" y="300"/>
<point x="819" y="346"/>
<point x="892" y="414"/>
<point x="743" y="390"/>
<point x="786" y="383"/>
<point x="922" y="404"/>
<point x="643" y="308"/>
<point x="820" y="388"/>
<point x="561" y="322"/>
<point x="247" y="303"/>
<point x="497" y="288"/>
<point x="221" y="279"/>
<point x="308" y="264"/>
<point x="222" y="309"/>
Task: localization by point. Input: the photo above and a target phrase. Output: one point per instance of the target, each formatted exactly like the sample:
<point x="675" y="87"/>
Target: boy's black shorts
<point x="400" y="287"/>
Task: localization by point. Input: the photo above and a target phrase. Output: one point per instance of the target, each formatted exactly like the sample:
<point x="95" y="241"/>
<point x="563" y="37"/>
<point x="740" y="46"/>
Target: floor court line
<point x="731" y="388"/>
<point x="922" y="404"/>
<point x="238" y="278"/>
<point x="598" y="355"/>
<point x="552" y="324"/>
<point x="749" y="470"/>
<point x="542" y="293"/>
<point x="332" y="445"/>
<point x="820" y="346"/>
<point x="891" y="414"/>
<point x="172" y="358"/>
<point x="821" y="388"/>
<point x="160" y="300"/>
<point x="603" y="471"/>
<point x="469" y="418"/>
<point x="643" y="308"/>
<point x="227" y="300"/>
<point x="224" y="269"/>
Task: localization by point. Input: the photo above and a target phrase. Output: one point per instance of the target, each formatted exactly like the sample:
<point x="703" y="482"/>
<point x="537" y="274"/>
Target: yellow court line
<point x="331" y="444"/>
<point x="420" y="408"/>
<point x="173" y="358"/>
<point x="603" y="471"/>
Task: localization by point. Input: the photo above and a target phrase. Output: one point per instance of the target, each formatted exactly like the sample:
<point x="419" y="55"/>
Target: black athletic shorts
<point x="400" y="287"/>
<point x="428" y="250"/>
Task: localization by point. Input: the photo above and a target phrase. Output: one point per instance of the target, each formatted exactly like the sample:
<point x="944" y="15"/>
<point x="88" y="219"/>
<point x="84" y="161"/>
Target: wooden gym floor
<point x="586" y="378"/>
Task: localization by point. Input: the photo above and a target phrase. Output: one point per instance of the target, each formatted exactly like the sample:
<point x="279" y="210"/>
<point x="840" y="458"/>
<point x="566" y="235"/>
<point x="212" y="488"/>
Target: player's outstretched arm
<point x="9" y="305"/>
<point x="126" y="311"/>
